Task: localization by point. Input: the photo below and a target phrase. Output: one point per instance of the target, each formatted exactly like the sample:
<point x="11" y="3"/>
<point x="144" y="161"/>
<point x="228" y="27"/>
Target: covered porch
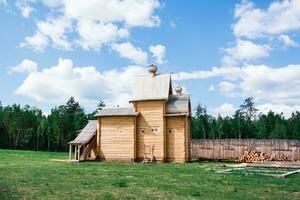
<point x="81" y="147"/>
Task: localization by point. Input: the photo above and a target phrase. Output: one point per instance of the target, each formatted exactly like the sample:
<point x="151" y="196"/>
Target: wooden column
<point x="75" y="152"/>
<point x="70" y="152"/>
<point x="78" y="152"/>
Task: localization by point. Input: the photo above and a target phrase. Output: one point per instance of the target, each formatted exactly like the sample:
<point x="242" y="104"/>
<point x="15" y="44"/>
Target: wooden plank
<point x="175" y="137"/>
<point x="117" y="138"/>
<point x="288" y="173"/>
<point x="232" y="148"/>
<point x="70" y="152"/>
<point x="151" y="116"/>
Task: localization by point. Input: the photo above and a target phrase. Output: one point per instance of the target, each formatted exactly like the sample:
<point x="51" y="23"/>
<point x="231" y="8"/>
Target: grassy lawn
<point x="32" y="175"/>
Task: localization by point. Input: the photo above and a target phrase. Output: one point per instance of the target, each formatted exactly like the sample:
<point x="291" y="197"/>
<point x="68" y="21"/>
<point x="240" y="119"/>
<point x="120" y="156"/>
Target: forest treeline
<point x="245" y="123"/>
<point x="27" y="128"/>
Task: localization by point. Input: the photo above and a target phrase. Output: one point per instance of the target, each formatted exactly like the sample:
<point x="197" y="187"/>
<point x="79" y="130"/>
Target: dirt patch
<point x="296" y="194"/>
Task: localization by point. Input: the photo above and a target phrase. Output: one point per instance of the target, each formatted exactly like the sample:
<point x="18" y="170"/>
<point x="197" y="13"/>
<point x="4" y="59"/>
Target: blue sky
<point x="220" y="52"/>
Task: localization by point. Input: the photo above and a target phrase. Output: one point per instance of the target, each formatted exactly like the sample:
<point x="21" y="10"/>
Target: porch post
<point x="70" y="152"/>
<point x="78" y="152"/>
<point x="75" y="152"/>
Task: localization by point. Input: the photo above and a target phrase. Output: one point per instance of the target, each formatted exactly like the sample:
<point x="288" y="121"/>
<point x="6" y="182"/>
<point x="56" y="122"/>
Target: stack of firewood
<point x="252" y="156"/>
<point x="281" y="158"/>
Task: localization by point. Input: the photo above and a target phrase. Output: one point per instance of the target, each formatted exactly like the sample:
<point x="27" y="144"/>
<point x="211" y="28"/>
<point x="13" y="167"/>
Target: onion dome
<point x="152" y="69"/>
<point x="178" y="90"/>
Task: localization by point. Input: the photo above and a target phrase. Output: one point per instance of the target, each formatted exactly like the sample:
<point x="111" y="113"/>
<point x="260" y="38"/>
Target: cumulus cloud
<point x="25" y="7"/>
<point x="277" y="85"/>
<point x="287" y="41"/>
<point x="86" y="84"/>
<point x="54" y="29"/>
<point x="211" y="88"/>
<point x="258" y="31"/>
<point x="95" y="22"/>
<point x="52" y="3"/>
<point x="280" y="17"/>
<point x="264" y="83"/>
<point x="230" y="73"/>
<point x="38" y="42"/>
<point x="159" y="53"/>
<point x="94" y="34"/>
<point x="127" y="50"/>
<point x="227" y="109"/>
<point x="245" y="51"/>
<point x="286" y="110"/>
<point x="26" y="66"/>
<point x="227" y="88"/>
<point x="224" y="110"/>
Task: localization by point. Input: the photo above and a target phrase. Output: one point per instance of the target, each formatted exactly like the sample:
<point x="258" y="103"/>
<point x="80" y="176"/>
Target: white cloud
<point x="230" y="73"/>
<point x="58" y="83"/>
<point x="131" y="12"/>
<point x="52" y="3"/>
<point x="94" y="34"/>
<point x="278" y="108"/>
<point x="266" y="84"/>
<point x="245" y="51"/>
<point x="172" y="24"/>
<point x="38" y="42"/>
<point x="276" y="85"/>
<point x="96" y="22"/>
<point x="280" y="17"/>
<point x="227" y="88"/>
<point x="127" y="50"/>
<point x="26" y="66"/>
<point x="255" y="25"/>
<point x="287" y="41"/>
<point x="53" y="28"/>
<point x="211" y="88"/>
<point x="25" y="7"/>
<point x="227" y="109"/>
<point x="159" y="53"/>
<point x="224" y="110"/>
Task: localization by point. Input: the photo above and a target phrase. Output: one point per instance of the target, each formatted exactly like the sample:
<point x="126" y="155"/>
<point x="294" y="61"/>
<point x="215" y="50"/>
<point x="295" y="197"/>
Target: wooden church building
<point x="157" y="124"/>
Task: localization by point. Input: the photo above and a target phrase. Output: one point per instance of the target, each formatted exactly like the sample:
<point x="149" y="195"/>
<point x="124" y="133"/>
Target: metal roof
<point x="178" y="104"/>
<point x="117" y="112"/>
<point x="86" y="133"/>
<point x="152" y="87"/>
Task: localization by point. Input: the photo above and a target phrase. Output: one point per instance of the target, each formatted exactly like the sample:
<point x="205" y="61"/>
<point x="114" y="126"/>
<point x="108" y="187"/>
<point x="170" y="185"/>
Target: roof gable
<point x="178" y="104"/>
<point x="152" y="88"/>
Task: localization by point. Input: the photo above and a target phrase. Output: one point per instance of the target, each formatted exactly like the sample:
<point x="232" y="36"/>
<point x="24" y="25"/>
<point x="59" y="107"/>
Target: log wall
<point x="176" y="137"/>
<point x="229" y="149"/>
<point x="151" y="128"/>
<point x="117" y="138"/>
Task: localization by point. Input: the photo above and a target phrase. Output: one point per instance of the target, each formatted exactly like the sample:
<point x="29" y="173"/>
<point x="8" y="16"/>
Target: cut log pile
<point x="254" y="156"/>
<point x="281" y="158"/>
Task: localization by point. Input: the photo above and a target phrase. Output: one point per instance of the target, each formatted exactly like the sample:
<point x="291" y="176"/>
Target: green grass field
<point x="32" y="175"/>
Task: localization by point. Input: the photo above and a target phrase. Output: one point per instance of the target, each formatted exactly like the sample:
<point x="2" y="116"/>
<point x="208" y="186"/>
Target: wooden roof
<point x="148" y="87"/>
<point x="86" y="133"/>
<point x="117" y="112"/>
<point x="178" y="104"/>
